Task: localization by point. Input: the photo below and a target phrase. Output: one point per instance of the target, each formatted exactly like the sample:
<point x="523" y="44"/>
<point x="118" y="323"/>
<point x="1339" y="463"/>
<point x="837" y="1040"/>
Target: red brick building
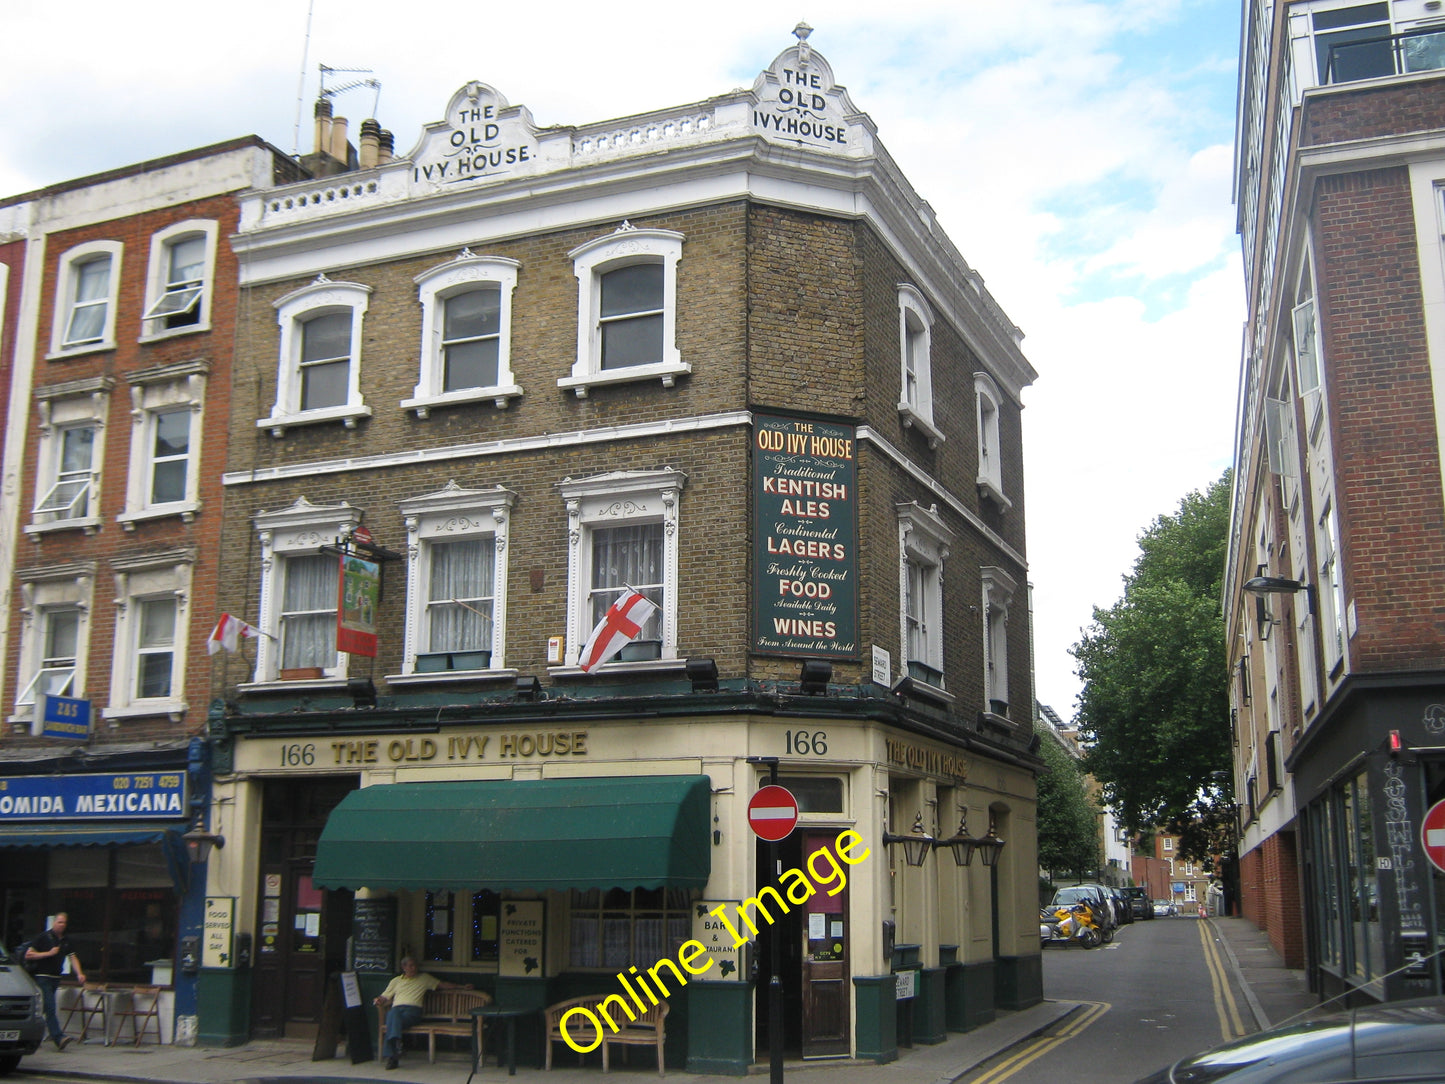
<point x="1336" y="576"/>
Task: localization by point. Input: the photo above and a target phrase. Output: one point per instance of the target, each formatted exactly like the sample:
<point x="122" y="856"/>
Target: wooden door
<point x="824" y="932"/>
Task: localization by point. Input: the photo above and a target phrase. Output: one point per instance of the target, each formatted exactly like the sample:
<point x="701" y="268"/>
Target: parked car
<point x="22" y="1027"/>
<point x="1397" y="1041"/>
<point x="1124" y="913"/>
<point x="1163" y="909"/>
<point x="1139" y="902"/>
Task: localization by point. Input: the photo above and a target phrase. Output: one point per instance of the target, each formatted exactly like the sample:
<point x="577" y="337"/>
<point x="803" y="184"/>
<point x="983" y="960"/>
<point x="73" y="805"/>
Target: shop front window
<point x="616" y="928"/>
<point x="121" y="905"/>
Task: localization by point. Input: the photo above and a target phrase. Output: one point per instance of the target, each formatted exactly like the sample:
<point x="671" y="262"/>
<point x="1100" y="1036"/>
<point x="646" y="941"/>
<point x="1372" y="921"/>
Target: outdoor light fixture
<point x="703" y="675"/>
<point x="814" y="676"/>
<point x="199" y="842"/>
<point x="990" y="846"/>
<point x="362" y="692"/>
<point x="1279" y="585"/>
<point x="916" y="844"/>
<point x="962" y="844"/>
<point x="529" y="686"/>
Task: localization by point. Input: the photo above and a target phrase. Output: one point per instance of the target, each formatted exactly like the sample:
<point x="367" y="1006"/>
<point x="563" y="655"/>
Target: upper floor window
<point x="990" y="456"/>
<point x="152" y="594"/>
<point x="182" y="263"/>
<point x="319" y="376"/>
<point x="466" y="333"/>
<point x="167" y="413"/>
<point x="623" y="533"/>
<point x="915" y="340"/>
<point x="54" y="626"/>
<point x="299" y="589"/>
<point x="456" y="580"/>
<point x="68" y="460"/>
<point x="923" y="542"/>
<point x="1352" y="42"/>
<point x="998" y="590"/>
<point x="627" y="309"/>
<point x="85" y="294"/>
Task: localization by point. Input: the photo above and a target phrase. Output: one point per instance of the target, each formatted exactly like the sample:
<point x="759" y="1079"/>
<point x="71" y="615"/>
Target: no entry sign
<point x="1432" y="835"/>
<point x="773" y="813"/>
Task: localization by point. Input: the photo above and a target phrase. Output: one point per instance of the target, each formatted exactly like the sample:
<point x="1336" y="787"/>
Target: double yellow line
<point x="1034" y="1049"/>
<point x="1231" y="1025"/>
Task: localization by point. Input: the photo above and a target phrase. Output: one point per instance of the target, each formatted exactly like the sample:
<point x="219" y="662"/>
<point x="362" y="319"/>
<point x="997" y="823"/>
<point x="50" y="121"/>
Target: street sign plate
<point x="773" y="813"/>
<point x="1432" y="835"/>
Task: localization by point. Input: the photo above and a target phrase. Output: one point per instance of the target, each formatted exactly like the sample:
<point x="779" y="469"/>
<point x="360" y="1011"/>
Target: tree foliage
<point x="1068" y="821"/>
<point x="1155" y="706"/>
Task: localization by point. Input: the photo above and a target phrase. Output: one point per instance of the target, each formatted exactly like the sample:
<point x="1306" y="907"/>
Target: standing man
<point x="46" y="958"/>
<point x="403" y="999"/>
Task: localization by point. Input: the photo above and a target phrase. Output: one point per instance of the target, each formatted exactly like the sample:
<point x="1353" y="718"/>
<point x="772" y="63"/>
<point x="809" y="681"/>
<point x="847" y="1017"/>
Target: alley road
<point x="1160" y="991"/>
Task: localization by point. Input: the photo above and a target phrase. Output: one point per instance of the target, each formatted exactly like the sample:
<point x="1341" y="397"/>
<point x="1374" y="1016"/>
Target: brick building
<point x="118" y="299"/>
<point x="1335" y="577"/>
<point x="721" y="354"/>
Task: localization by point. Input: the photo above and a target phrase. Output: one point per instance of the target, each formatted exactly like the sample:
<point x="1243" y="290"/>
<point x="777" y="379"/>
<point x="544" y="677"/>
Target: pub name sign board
<point x="805" y="517"/>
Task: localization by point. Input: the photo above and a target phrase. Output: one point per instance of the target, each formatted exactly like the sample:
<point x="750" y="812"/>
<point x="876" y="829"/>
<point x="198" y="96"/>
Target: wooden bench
<point x="647" y="1030"/>
<point x="444" y="1012"/>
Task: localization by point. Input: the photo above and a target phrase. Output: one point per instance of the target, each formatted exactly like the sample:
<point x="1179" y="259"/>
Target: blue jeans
<point x="48" y="985"/>
<point x="398" y="1019"/>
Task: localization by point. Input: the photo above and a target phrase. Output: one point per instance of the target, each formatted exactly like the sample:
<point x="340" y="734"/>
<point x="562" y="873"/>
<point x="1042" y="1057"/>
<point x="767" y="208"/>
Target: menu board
<point x="373" y="934"/>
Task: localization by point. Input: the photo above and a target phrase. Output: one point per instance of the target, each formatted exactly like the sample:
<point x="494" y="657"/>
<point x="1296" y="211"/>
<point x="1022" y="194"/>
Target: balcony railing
<point x="1389" y="54"/>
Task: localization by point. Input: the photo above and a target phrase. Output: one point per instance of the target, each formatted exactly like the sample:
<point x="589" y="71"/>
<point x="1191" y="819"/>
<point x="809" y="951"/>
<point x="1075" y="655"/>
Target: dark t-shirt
<point x="51" y="965"/>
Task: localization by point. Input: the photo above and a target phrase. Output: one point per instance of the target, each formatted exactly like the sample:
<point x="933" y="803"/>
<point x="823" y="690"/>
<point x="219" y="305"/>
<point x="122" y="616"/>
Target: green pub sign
<point x="805" y="522"/>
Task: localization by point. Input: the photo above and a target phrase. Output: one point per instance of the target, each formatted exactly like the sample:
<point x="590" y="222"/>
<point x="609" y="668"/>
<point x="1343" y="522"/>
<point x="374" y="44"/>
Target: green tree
<point x="1068" y="821"/>
<point x="1155" y="709"/>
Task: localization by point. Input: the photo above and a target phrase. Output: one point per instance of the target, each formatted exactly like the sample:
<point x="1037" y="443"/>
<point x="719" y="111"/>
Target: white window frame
<point x="454" y="514"/>
<point x="66" y="281"/>
<point x="43" y="591"/>
<point x="915" y="350"/>
<point x="138" y="580"/>
<point x="320" y="298"/>
<point x="300" y="530"/>
<point x="154" y="391"/>
<point x="613" y="500"/>
<point x="998" y="592"/>
<point x="625" y="246"/>
<point x="73" y="404"/>
<point x="153" y="326"/>
<point x="987" y="403"/>
<point x="924" y="541"/>
<point x="1330" y="595"/>
<point x="436" y="286"/>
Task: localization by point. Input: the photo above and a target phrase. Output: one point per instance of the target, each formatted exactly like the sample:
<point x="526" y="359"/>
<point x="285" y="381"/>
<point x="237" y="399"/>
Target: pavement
<point x="1273" y="993"/>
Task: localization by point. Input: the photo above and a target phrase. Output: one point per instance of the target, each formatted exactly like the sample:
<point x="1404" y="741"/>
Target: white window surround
<point x="915" y="347"/>
<point x="158" y="390"/>
<point x="319" y="298"/>
<point x="990" y="454"/>
<point x="73" y="404"/>
<point x="43" y="590"/>
<point x="158" y="273"/>
<point x="165" y="575"/>
<point x="620" y="498"/>
<point x="998" y="591"/>
<point x="924" y="542"/>
<point x="299" y="530"/>
<point x="626" y="246"/>
<point x="66" y="281"/>
<point x="454" y="514"/>
<point x="456" y="276"/>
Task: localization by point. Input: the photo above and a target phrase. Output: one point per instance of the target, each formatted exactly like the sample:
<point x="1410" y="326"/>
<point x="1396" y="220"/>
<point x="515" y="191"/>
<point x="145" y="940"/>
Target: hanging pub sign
<point x="805" y="523"/>
<point x="356" y="609"/>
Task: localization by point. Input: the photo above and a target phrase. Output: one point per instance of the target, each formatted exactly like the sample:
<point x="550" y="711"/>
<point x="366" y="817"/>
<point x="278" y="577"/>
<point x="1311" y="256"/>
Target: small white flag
<point x="227" y="634"/>
<point x="620" y="625"/>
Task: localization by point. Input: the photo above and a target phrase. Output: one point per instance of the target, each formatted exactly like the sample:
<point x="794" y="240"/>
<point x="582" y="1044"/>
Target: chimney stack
<point x="369" y="145"/>
<point x="322" y="112"/>
<point x="387" y="148"/>
<point x="339" y="146"/>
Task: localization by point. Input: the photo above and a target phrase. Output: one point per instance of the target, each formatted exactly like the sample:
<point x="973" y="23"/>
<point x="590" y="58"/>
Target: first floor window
<point x="308" y="612"/>
<point x="155" y="648"/>
<point x="59" y="652"/>
<point x="170" y="455"/>
<point x="623" y="557"/>
<point x="69" y="495"/>
<point x="459" y="604"/>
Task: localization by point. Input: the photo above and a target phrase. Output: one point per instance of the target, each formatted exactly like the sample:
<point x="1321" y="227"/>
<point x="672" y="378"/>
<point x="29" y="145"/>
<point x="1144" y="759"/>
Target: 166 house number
<point x="806" y="742"/>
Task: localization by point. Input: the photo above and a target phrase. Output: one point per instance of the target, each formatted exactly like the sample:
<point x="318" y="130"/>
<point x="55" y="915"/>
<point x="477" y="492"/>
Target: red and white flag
<point x="621" y="624"/>
<point x="227" y="634"/>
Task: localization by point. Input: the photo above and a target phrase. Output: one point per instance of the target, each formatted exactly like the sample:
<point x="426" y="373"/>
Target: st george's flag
<point x="227" y="634"/>
<point x="620" y="625"/>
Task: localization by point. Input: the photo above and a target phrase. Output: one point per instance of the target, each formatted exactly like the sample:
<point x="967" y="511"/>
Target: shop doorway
<point x="301" y="930"/>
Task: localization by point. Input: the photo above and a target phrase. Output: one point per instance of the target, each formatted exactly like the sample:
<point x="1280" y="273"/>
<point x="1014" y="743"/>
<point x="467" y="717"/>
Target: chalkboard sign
<point x="373" y="934"/>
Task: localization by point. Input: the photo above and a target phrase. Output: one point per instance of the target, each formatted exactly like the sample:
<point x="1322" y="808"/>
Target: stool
<point x="88" y="1004"/>
<point x="145" y="1009"/>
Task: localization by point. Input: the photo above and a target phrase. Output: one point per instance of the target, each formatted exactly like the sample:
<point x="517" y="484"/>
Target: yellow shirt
<point x="404" y="991"/>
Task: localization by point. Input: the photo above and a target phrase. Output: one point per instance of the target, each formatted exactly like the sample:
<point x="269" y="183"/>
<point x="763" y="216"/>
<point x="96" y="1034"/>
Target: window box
<point x="435" y="662"/>
<point x="302" y="673"/>
<point x="641" y="651"/>
<point x="921" y="671"/>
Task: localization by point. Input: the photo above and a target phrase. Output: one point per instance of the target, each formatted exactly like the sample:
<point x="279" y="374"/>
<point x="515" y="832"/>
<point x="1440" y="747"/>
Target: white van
<point x="22" y="1025"/>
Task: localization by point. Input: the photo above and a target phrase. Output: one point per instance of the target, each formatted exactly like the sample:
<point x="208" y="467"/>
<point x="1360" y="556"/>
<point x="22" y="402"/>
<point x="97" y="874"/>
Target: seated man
<point x="404" y="996"/>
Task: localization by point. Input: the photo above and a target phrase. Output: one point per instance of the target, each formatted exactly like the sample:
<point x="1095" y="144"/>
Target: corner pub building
<point x="723" y="354"/>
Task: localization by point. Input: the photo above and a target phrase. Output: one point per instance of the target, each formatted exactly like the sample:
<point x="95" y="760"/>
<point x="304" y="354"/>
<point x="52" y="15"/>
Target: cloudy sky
<point x="1077" y="152"/>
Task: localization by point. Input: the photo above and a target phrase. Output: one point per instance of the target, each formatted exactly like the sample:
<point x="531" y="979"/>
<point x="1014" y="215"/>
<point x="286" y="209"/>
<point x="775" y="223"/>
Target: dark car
<point x="1139" y="902"/>
<point x="1402" y="1042"/>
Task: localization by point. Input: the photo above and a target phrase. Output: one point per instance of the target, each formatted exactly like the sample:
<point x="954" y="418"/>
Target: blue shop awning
<point x="637" y="832"/>
<point x="84" y="835"/>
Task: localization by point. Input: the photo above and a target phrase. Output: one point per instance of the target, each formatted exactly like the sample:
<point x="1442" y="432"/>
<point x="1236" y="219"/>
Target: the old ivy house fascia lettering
<point x="481" y="139"/>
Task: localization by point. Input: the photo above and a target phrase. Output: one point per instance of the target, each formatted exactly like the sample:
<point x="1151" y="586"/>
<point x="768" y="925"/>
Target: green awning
<point x="640" y="832"/>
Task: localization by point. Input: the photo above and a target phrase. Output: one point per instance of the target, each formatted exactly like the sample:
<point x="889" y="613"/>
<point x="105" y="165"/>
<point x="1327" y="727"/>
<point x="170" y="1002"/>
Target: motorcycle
<point x="1077" y="923"/>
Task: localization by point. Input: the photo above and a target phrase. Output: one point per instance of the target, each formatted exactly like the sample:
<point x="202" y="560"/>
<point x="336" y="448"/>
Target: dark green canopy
<point x="640" y="832"/>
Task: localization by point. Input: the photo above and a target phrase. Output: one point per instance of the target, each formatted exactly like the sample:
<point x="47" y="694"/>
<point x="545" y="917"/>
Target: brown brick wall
<point x="1269" y="893"/>
<point x="1370" y="112"/>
